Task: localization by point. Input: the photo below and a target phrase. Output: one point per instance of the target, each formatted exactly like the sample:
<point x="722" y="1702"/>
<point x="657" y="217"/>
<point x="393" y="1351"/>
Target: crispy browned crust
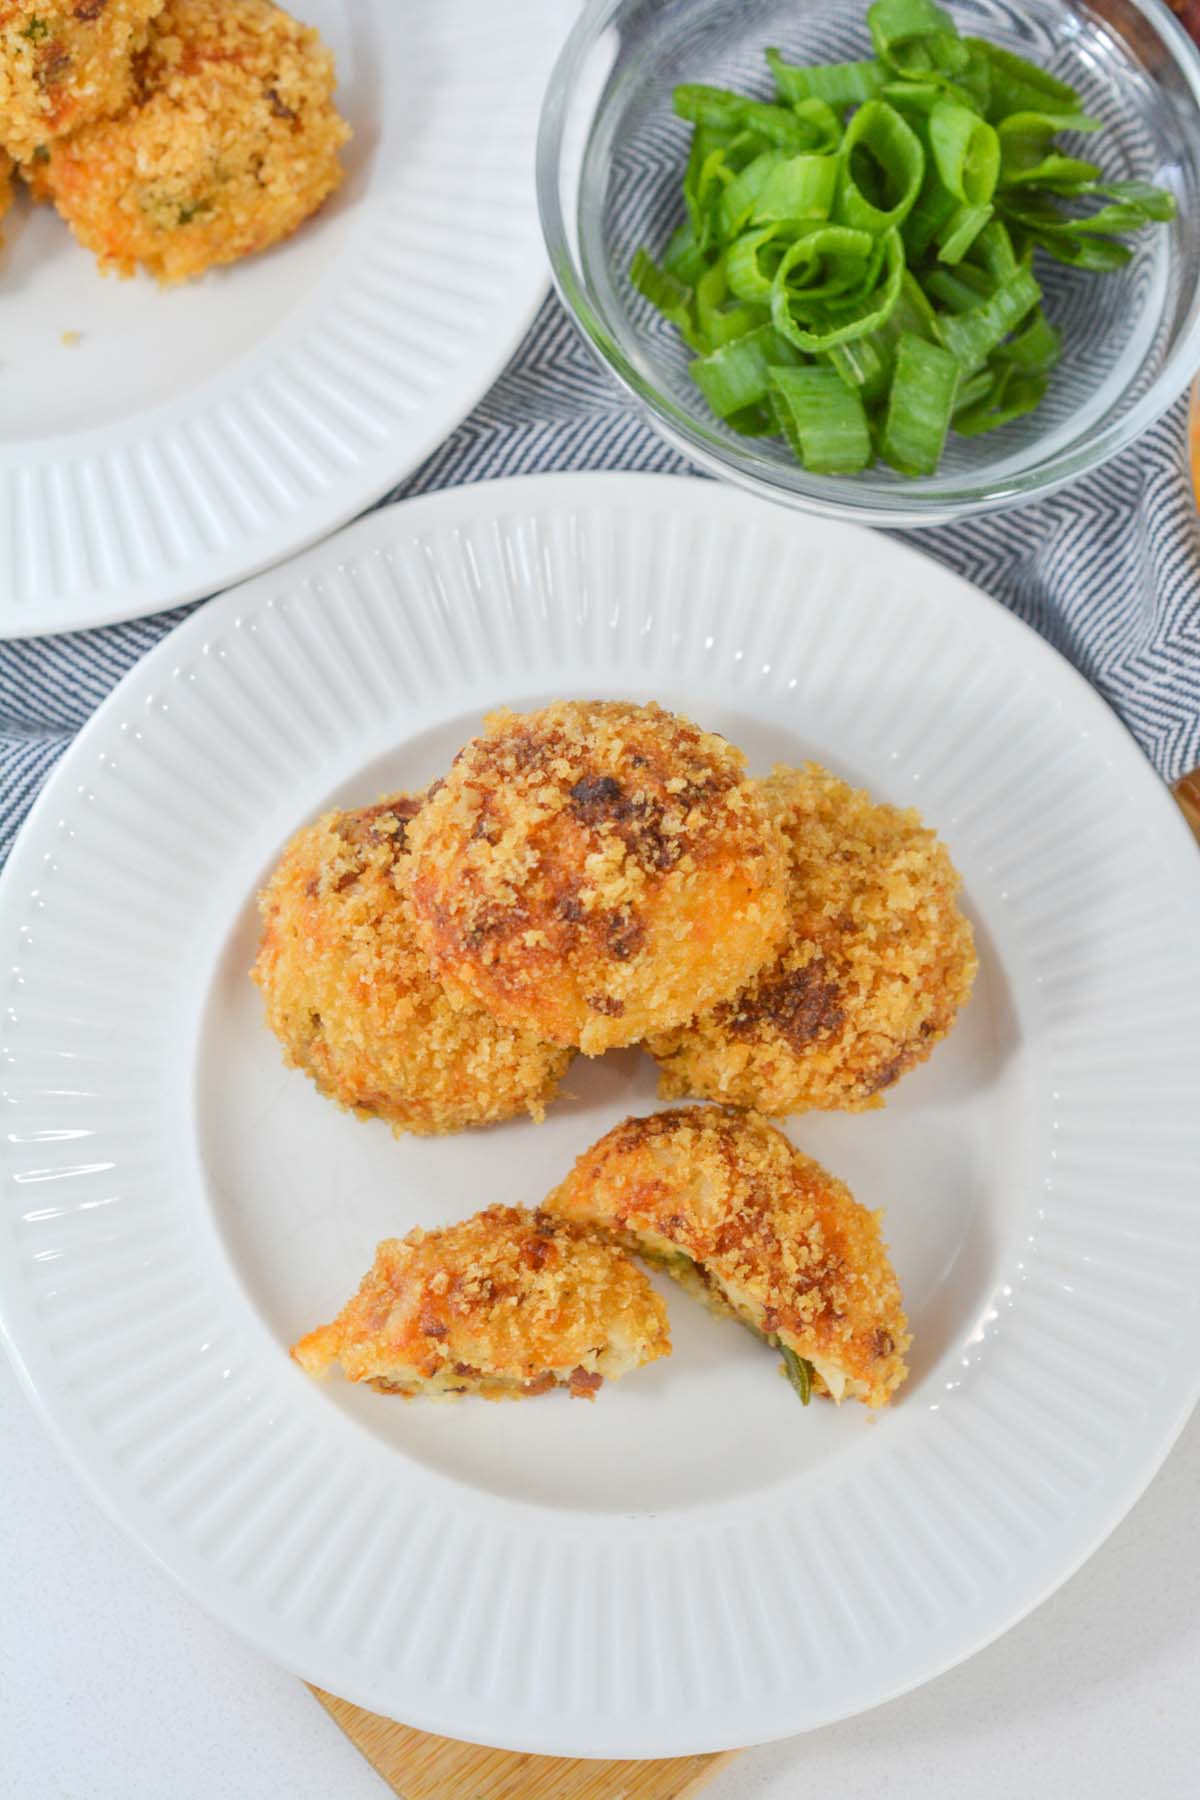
<point x="774" y="1237"/>
<point x="877" y="961"/>
<point x="65" y="63"/>
<point x="350" y="995"/>
<point x="230" y="141"/>
<point x="505" y="1304"/>
<point x="6" y="184"/>
<point x="594" y="870"/>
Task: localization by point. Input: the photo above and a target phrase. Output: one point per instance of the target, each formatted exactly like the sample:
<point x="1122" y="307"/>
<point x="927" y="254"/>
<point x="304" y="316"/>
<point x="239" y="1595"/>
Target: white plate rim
<point x="1121" y="756"/>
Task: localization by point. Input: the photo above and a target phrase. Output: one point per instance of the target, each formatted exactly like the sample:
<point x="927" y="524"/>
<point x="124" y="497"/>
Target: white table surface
<point x="115" y="1686"/>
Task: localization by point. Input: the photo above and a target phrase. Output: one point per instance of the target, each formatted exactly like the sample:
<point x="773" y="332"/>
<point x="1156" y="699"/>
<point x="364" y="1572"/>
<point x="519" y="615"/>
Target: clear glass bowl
<point x="610" y="161"/>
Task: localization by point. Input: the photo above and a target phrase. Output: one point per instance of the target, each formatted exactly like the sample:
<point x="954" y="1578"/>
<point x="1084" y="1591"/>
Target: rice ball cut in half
<point x="506" y="1304"/>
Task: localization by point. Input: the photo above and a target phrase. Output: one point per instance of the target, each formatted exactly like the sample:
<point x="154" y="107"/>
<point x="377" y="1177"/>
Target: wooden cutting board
<point x="417" y="1766"/>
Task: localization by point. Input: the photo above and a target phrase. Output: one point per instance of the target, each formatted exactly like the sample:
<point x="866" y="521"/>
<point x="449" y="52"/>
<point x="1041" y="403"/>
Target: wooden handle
<point x="1187" y="792"/>
<point x="418" y="1766"/>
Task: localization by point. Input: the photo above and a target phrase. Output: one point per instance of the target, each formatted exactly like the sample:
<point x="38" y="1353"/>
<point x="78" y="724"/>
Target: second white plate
<point x="694" y="1561"/>
<point x="193" y="436"/>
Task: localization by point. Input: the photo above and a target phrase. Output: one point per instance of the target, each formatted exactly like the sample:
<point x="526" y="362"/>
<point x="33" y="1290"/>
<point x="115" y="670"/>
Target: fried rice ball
<point x="6" y="184"/>
<point x="723" y="1202"/>
<point x="352" y="1000"/>
<point x="877" y="961"/>
<point x="65" y="63"/>
<point x="230" y="143"/>
<point x="596" y="870"/>
<point x="507" y="1304"/>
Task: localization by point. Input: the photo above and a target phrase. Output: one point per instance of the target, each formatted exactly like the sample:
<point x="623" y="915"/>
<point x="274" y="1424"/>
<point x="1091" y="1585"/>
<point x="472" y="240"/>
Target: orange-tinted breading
<point x="507" y="1303"/>
<point x="6" y="184"/>
<point x="740" y="1217"/>
<point x="597" y="870"/>
<point x="65" y="63"/>
<point x="351" y="997"/>
<point x="877" y="961"/>
<point x="231" y="141"/>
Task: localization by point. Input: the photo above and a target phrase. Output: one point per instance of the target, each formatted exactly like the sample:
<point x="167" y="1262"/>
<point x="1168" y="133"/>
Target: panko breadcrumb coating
<point x="597" y="870"/>
<point x="351" y="998"/>
<point x="506" y="1304"/>
<point x="230" y="143"/>
<point x="734" y="1212"/>
<point x="65" y="63"/>
<point x="6" y="185"/>
<point x="877" y="961"/>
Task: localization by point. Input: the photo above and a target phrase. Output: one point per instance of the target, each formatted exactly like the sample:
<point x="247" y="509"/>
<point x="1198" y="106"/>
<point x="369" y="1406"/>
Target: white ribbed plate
<point x="694" y="1561"/>
<point x="194" y="436"/>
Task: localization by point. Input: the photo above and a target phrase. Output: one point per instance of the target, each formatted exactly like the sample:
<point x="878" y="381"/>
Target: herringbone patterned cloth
<point x="1108" y="570"/>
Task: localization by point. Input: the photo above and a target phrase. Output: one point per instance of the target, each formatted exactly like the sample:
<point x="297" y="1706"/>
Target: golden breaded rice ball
<point x="231" y="142"/>
<point x="727" y="1205"/>
<point x="596" y="870"/>
<point x="351" y="998"/>
<point x="877" y="960"/>
<point x="65" y="63"/>
<point x="506" y="1304"/>
<point x="6" y="184"/>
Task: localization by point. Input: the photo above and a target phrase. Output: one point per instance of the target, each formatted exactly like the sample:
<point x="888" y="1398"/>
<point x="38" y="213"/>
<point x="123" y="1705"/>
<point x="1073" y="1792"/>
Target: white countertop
<point x="115" y="1686"/>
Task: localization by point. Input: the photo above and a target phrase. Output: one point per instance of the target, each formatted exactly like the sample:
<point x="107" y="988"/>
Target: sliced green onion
<point x="883" y="166"/>
<point x="1018" y="86"/>
<point x="1053" y="171"/>
<point x="1041" y="124"/>
<point x="971" y="389"/>
<point x="1155" y="203"/>
<point x="671" y="296"/>
<point x="754" y="421"/>
<point x="1013" y="395"/>
<point x="748" y="275"/>
<point x="934" y="207"/>
<point x="967" y="152"/>
<point x="838" y="84"/>
<point x="915" y="37"/>
<point x="919" y="406"/>
<point x="799" y="1372"/>
<point x="951" y="291"/>
<point x="819" y="119"/>
<point x="972" y="336"/>
<point x="738" y="375"/>
<point x="683" y="257"/>
<point x="1122" y="215"/>
<point x="729" y="322"/>
<point x="1035" y="349"/>
<point x="920" y="97"/>
<point x="731" y="112"/>
<point x="1098" y="255"/>
<point x="738" y="199"/>
<point x="974" y="79"/>
<point x="801" y="187"/>
<point x="913" y="311"/>
<point x="993" y="250"/>
<point x="865" y="365"/>
<point x="706" y="174"/>
<point x="829" y="419"/>
<point x="712" y="290"/>
<point x="665" y="292"/>
<point x="960" y="231"/>
<point x="810" y="268"/>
